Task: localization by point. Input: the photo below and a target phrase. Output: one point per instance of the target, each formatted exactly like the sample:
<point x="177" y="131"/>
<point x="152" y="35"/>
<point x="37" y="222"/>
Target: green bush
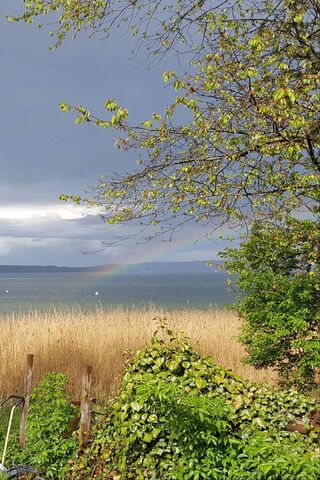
<point x="48" y="446"/>
<point x="278" y="277"/>
<point x="178" y="416"/>
<point x="4" y="420"/>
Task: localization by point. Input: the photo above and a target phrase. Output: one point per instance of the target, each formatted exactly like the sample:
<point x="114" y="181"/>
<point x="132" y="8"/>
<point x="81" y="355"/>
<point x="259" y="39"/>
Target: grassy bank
<point x="65" y="341"/>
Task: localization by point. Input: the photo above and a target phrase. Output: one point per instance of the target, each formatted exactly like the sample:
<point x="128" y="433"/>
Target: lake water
<point x="25" y="291"/>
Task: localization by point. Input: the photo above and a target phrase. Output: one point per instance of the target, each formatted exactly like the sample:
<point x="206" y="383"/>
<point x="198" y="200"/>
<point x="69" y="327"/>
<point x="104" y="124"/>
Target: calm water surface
<point x="21" y="292"/>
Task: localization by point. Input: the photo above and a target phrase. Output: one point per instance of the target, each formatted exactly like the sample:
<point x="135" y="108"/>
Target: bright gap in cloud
<point x="66" y="212"/>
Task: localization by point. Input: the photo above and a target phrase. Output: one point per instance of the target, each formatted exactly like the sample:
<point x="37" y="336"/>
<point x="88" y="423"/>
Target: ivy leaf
<point x="200" y="383"/>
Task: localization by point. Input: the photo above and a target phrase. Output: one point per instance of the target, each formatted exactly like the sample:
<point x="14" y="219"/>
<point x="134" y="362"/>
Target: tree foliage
<point x="162" y="25"/>
<point x="241" y="139"/>
<point x="278" y="276"/>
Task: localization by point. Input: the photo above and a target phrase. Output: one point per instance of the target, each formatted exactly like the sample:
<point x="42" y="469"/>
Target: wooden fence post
<point x="27" y="392"/>
<point x="85" y="414"/>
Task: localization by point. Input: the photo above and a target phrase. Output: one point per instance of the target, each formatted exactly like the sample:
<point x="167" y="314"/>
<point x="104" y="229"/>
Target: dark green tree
<point x="278" y="277"/>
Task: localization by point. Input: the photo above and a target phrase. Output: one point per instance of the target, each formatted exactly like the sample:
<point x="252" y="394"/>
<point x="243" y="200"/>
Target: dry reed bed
<point x="66" y="341"/>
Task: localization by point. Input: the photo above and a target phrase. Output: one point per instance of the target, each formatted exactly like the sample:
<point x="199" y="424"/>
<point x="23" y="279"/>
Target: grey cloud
<point x="40" y="145"/>
<point x="43" y="154"/>
<point x="53" y="226"/>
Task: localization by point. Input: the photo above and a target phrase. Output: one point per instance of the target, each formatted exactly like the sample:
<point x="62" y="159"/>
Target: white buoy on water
<point x="96" y="293"/>
<point x="7" y="291"/>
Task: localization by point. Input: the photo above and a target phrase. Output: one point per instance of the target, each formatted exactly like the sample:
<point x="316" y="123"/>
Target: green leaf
<point x="147" y="437"/>
<point x="167" y="75"/>
<point x="111" y="105"/>
<point x="136" y="406"/>
<point x="280" y="93"/>
<point x="291" y="94"/>
<point x="200" y="383"/>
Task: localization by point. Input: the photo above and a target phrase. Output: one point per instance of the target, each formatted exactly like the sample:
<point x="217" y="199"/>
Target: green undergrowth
<point x="49" y="444"/>
<point x="4" y="421"/>
<point x="179" y="416"/>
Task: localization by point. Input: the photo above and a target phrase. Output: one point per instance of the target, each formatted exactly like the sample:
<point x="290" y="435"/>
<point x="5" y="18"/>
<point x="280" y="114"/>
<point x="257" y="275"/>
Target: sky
<point x="44" y="154"/>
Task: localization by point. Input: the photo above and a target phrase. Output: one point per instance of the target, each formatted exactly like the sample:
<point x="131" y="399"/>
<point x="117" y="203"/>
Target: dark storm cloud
<point x="39" y="144"/>
<point x="43" y="154"/>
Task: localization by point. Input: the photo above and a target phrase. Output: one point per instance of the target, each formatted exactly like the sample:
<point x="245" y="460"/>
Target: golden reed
<point x="67" y="340"/>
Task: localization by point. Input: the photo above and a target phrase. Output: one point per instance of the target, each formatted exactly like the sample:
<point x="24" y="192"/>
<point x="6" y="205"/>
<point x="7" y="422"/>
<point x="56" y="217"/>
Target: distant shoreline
<point x="152" y="267"/>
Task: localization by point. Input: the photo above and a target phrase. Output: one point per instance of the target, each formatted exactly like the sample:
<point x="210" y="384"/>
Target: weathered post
<point x="85" y="413"/>
<point x="27" y="392"/>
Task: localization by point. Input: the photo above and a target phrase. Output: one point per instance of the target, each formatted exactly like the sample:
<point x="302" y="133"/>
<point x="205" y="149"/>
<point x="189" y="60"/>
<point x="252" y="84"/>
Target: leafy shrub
<point x="4" y="420"/>
<point x="278" y="270"/>
<point x="178" y="416"/>
<point x="48" y="447"/>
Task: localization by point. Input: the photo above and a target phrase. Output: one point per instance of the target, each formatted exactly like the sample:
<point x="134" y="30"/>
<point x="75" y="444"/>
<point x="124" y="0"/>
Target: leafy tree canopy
<point x="242" y="138"/>
<point x="164" y="25"/>
<point x="278" y="278"/>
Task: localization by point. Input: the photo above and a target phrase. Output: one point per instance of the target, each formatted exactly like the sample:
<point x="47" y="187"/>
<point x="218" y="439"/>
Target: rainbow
<point x="150" y="252"/>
